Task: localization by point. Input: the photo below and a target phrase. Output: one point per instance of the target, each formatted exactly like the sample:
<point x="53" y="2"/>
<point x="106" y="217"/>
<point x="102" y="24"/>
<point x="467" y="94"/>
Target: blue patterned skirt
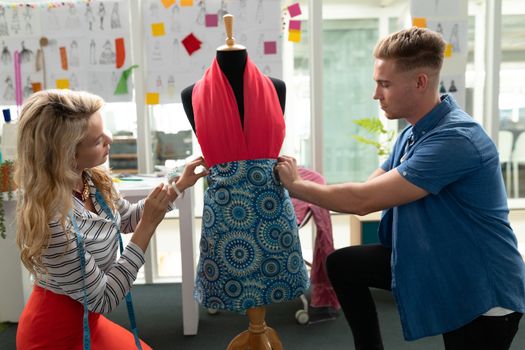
<point x="250" y="254"/>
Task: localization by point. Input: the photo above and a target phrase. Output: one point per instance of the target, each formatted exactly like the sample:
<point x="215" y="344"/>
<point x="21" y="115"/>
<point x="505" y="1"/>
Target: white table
<point x="136" y="190"/>
<point x="16" y="285"/>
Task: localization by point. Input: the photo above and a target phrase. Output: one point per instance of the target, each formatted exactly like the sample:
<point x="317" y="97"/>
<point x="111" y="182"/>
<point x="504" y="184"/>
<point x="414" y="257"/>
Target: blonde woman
<point x="69" y="222"/>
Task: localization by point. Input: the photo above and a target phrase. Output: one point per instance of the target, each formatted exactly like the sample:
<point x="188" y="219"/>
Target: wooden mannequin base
<point x="258" y="336"/>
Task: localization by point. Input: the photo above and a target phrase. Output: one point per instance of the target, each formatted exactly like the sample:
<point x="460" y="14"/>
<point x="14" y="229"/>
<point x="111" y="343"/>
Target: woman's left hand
<point x="188" y="177"/>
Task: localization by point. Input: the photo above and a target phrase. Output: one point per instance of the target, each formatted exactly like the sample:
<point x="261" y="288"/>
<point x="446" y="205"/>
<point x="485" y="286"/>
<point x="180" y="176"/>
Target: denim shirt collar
<point x="432" y="118"/>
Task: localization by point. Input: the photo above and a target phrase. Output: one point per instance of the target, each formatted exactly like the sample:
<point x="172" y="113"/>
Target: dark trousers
<point x="352" y="270"/>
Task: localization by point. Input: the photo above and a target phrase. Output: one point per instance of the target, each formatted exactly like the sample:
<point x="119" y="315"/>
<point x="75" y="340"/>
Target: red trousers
<point x="52" y="321"/>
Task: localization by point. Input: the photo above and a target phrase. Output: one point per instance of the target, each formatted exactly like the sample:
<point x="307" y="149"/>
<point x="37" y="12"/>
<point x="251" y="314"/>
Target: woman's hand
<point x="188" y="177"/>
<point x="155" y="207"/>
<point x="286" y="168"/>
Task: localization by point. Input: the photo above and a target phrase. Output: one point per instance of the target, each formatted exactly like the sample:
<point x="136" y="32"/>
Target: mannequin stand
<point x="258" y="336"/>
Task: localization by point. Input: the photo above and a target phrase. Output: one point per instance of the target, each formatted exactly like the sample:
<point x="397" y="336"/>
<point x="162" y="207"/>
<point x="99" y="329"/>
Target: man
<point x="447" y="250"/>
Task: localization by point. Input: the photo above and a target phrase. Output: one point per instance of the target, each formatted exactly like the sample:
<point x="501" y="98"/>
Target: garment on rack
<point x="250" y="254"/>
<point x="322" y="293"/>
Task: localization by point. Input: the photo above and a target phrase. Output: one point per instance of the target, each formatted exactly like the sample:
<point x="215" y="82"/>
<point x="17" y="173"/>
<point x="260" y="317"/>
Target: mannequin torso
<point x="232" y="64"/>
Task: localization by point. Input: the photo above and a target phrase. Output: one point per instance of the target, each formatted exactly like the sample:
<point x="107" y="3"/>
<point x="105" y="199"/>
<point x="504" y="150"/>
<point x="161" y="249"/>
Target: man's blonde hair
<point x="413" y="48"/>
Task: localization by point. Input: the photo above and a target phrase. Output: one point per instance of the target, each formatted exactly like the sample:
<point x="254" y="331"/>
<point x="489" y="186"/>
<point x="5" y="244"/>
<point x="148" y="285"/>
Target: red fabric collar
<point x="218" y="124"/>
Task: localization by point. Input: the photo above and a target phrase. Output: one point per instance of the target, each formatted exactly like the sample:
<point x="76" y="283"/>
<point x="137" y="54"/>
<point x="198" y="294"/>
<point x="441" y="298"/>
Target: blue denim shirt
<point x="454" y="254"/>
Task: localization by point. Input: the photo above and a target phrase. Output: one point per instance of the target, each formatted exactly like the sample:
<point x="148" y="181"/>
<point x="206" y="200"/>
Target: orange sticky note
<point x="294" y="36"/>
<point x="157" y="29"/>
<point x="168" y="3"/>
<point x="420" y="22"/>
<point x="62" y="83"/>
<point x="120" y="51"/>
<point x="186" y="2"/>
<point x="36" y="86"/>
<point x="448" y="50"/>
<point x="63" y="58"/>
<point x="152" y="98"/>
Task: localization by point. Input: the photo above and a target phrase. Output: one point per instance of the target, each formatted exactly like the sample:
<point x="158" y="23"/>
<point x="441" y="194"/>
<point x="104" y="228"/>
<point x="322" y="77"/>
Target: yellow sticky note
<point x="448" y="50"/>
<point x="168" y="3"/>
<point x="186" y="2"/>
<point x="152" y="98"/>
<point x="62" y="83"/>
<point x="157" y="29"/>
<point x="420" y="22"/>
<point x="294" y="35"/>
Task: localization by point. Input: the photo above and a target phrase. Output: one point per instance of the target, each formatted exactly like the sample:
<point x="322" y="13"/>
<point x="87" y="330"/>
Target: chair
<point x="324" y="304"/>
<point x="518" y="157"/>
<point x="505" y="139"/>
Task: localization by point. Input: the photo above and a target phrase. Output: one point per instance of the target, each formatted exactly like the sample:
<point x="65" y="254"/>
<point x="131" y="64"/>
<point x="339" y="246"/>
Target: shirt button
<point x="404" y="173"/>
<point x="423" y="132"/>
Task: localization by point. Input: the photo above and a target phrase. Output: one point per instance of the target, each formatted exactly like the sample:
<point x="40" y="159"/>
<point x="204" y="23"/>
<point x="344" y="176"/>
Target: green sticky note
<point x="122" y="86"/>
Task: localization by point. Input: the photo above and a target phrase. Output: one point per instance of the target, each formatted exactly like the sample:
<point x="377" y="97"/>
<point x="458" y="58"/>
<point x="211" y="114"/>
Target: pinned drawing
<point x="158" y="83"/>
<point x="28" y="87"/>
<point x="442" y="88"/>
<point x="73" y="82"/>
<point x="115" y="17"/>
<point x="6" y="54"/>
<point x="72" y="19"/>
<point x="259" y="13"/>
<point x="171" y="86"/>
<point x="242" y="9"/>
<point x="175" y="21"/>
<point x="53" y="23"/>
<point x="94" y="84"/>
<point x="260" y="45"/>
<point x="73" y="54"/>
<point x="26" y="55"/>
<point x="4" y="29"/>
<point x="90" y="17"/>
<point x="453" y="84"/>
<point x="101" y="14"/>
<point x="92" y="52"/>
<point x="15" y="21"/>
<point x="176" y="50"/>
<point x="454" y="38"/>
<point x="223" y="10"/>
<point x="452" y="88"/>
<point x="201" y="14"/>
<point x="9" y="92"/>
<point x="453" y="31"/>
<point x="157" y="53"/>
<point x="27" y="20"/>
<point x="107" y="56"/>
<point x="154" y="10"/>
<point x="439" y="28"/>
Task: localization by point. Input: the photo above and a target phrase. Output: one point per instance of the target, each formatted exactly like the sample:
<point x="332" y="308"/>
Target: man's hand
<point x="287" y="170"/>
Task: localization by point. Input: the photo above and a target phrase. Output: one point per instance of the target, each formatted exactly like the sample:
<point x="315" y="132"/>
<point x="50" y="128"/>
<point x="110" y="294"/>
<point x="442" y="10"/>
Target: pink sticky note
<point x="212" y="20"/>
<point x="294" y="10"/>
<point x="294" y="25"/>
<point x="270" y="47"/>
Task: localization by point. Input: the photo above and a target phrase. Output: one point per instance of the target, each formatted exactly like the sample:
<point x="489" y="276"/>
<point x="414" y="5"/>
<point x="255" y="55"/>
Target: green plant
<point x="6" y="185"/>
<point x="374" y="126"/>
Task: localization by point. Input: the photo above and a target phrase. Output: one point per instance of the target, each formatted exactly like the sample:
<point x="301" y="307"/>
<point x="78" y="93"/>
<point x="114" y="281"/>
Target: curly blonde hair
<point x="51" y="126"/>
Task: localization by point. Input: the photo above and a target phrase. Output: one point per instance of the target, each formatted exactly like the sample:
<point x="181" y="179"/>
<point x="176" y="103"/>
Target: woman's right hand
<point x="155" y="207"/>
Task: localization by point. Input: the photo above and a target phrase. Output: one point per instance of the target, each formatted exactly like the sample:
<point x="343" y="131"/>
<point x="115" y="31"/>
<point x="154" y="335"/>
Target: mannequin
<point x="253" y="144"/>
<point x="232" y="63"/>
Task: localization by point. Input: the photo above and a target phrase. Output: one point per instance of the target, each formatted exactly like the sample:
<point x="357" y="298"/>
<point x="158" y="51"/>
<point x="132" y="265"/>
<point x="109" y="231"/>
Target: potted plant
<point x="384" y="138"/>
<point x="6" y="185"/>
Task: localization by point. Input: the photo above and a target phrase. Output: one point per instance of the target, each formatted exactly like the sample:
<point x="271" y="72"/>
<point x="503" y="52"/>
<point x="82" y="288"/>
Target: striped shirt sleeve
<point x="107" y="280"/>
